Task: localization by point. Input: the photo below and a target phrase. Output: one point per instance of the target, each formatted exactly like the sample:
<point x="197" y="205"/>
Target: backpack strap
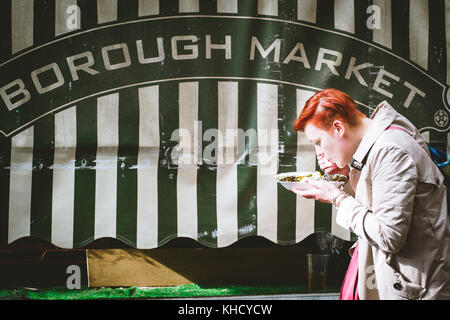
<point x="396" y="128"/>
<point x="439" y="157"/>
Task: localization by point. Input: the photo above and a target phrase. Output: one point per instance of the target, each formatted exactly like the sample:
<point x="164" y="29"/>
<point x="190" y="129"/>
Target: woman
<point x="399" y="207"/>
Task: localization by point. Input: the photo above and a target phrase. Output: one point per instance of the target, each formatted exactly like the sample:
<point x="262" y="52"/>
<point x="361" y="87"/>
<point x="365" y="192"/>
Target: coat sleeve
<point x="392" y="184"/>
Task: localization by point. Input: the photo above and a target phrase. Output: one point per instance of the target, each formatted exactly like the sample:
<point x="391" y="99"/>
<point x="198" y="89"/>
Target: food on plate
<point x="299" y="176"/>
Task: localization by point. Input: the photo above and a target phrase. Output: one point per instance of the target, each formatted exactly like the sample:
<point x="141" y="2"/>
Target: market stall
<point x="146" y="121"/>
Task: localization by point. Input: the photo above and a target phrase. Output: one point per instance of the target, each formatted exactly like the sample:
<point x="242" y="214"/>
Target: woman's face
<point x="331" y="142"/>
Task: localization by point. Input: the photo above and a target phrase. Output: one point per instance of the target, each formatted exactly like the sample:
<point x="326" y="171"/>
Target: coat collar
<point x="382" y="117"/>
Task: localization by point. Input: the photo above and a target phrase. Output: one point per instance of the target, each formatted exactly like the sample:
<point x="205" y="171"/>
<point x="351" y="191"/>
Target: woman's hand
<point x="328" y="166"/>
<point x="320" y="191"/>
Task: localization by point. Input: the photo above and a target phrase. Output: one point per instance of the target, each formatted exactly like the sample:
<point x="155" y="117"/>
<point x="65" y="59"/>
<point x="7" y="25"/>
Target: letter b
<point x="21" y="91"/>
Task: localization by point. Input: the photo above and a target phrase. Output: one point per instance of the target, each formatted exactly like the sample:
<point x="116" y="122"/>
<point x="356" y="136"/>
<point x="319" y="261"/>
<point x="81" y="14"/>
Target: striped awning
<point x="150" y="120"/>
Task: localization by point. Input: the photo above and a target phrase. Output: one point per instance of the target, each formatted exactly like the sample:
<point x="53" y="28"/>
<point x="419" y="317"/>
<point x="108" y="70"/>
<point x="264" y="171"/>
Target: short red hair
<point x="327" y="105"/>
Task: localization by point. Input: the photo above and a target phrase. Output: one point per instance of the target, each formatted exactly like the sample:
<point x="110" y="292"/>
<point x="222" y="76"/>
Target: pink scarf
<point x="349" y="289"/>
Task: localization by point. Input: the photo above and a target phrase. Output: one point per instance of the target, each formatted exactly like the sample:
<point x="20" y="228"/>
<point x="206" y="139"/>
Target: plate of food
<point x="289" y="180"/>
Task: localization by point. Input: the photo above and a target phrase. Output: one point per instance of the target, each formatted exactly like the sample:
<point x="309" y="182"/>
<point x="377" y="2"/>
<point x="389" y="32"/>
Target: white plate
<point x="300" y="185"/>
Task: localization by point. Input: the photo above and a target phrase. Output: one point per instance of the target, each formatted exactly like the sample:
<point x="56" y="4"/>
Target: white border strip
<point x="307" y="10"/>
<point x="187" y="215"/>
<point x="22" y="17"/>
<point x="63" y="190"/>
<point x="226" y="180"/>
<point x="61" y="16"/>
<point x="268" y="7"/>
<point x="227" y="6"/>
<point x="188" y="6"/>
<point x="21" y="175"/>
<point x="419" y="32"/>
<point x="266" y="186"/>
<point x="147" y="168"/>
<point x="148" y="8"/>
<point x="305" y="161"/>
<point x="106" y="166"/>
<point x="344" y="15"/>
<point x="383" y="35"/>
<point x="106" y="11"/>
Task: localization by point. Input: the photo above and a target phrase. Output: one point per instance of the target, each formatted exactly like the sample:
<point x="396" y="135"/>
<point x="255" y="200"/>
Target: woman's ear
<point x="338" y="128"/>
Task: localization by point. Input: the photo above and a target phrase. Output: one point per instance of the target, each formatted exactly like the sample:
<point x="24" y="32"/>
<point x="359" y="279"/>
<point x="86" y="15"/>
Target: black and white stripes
<point x="107" y="169"/>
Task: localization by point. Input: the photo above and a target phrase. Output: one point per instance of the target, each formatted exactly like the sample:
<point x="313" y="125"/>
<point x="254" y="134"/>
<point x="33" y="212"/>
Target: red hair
<point x="327" y="105"/>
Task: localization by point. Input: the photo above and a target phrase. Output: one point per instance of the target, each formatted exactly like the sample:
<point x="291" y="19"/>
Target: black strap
<point x="357" y="165"/>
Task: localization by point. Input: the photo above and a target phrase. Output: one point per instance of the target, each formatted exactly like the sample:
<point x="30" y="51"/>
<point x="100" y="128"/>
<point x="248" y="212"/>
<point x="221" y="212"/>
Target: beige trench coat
<point x="399" y="213"/>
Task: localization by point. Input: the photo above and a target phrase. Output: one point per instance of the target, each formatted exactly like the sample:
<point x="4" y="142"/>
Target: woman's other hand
<point x="320" y="191"/>
<point x="328" y="166"/>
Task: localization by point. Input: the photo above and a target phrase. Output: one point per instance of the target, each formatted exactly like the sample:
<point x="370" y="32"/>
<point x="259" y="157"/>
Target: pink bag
<point x="349" y="289"/>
